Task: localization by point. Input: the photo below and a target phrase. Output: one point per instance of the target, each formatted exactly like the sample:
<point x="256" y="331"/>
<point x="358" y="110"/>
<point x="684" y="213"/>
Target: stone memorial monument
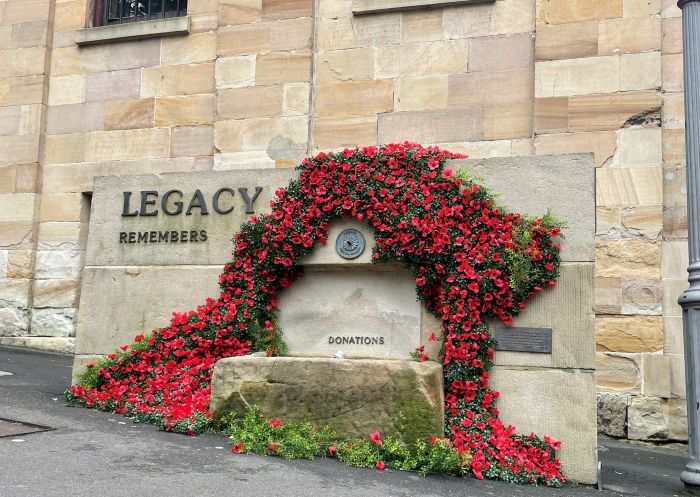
<point x="159" y="241"/>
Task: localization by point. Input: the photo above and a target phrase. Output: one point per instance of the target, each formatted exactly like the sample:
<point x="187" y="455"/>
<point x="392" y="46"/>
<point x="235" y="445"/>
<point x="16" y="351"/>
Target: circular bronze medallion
<point x="350" y="244"/>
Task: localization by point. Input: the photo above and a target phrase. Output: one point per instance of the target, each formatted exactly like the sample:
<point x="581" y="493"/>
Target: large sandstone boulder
<point x="354" y="397"/>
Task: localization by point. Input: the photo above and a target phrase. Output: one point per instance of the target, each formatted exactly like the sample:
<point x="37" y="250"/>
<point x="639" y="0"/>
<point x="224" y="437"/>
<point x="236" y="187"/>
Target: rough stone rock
<point x="353" y="397"/>
<point x="612" y="414"/>
<point x="678" y="421"/>
<point x="53" y="322"/>
<point x="13" y="321"/>
<point x="648" y="418"/>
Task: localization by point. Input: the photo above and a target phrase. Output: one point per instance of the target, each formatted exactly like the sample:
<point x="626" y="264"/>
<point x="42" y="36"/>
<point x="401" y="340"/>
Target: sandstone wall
<point x="261" y="83"/>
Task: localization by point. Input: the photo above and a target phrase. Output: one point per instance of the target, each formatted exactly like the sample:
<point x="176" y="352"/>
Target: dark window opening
<point x="123" y="11"/>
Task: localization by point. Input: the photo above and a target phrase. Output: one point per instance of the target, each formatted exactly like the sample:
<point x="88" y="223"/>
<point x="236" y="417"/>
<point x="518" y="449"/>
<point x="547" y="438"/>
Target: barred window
<point x="123" y="11"/>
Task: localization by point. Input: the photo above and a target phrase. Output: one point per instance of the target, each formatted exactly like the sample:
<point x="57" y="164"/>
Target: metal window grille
<point x="122" y="11"/>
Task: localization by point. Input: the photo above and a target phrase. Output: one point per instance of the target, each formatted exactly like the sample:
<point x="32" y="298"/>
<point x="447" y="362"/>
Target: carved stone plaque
<point x="350" y="244"/>
<point x="517" y="339"/>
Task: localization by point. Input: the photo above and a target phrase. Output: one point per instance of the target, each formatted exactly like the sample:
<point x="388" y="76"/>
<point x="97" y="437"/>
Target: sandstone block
<point x="291" y="34"/>
<point x="335" y="34"/>
<point x="610" y="112"/>
<point x="629" y="334"/>
<point x="14" y="321"/>
<point x="130" y="54"/>
<point x="60" y="207"/>
<point x="640" y="71"/>
<point x="19" y="149"/>
<point x="566" y="41"/>
<point x="508" y="121"/>
<point x="640" y="147"/>
<point x="673" y="289"/>
<point x="185" y="79"/>
<point x="677" y="375"/>
<point x="629" y="186"/>
<point x="567" y="413"/>
<point x="421" y="93"/>
<point x="421" y="25"/>
<point x="612" y="414"/>
<point x="20" y="264"/>
<point x="354" y="98"/>
<point x="53" y="322"/>
<point x="254" y="101"/>
<point x="405" y="403"/>
<point x="75" y="118"/>
<point x="476" y="20"/>
<point x="579" y="10"/>
<point x="127" y="144"/>
<point x="237" y="161"/>
<point x="629" y="35"/>
<point x="497" y="53"/>
<point x="672" y="40"/>
<point x="346" y="131"/>
<point x="27" y="178"/>
<point x="4" y="260"/>
<point x="619" y="372"/>
<point x="196" y="47"/>
<point x="608" y="224"/>
<point x="10" y="120"/>
<point x="52" y="235"/>
<point x="235" y="72"/>
<point x="278" y="9"/>
<point x="344" y="65"/>
<point x="678" y="420"/>
<point x="608" y="296"/>
<point x="16" y="206"/>
<point x="61" y="149"/>
<point x="673" y="147"/>
<point x="55" y="293"/>
<point x="24" y="90"/>
<point x="16" y="234"/>
<point x="8" y="177"/>
<point x="602" y="144"/>
<point x="243" y="40"/>
<point x="432" y="126"/>
<point x="675" y="259"/>
<point x="421" y="59"/>
<point x="586" y="76"/>
<point x="673" y="111"/>
<point x="377" y="30"/>
<point x="58" y="264"/>
<point x="18" y="11"/>
<point x="644" y="221"/>
<point x="185" y="111"/>
<point x="23" y="61"/>
<point x="239" y="12"/>
<point x="28" y="34"/>
<point x="551" y="115"/>
<point x="14" y="293"/>
<point x="69" y="61"/>
<point x="295" y="99"/>
<point x="648" y="418"/>
<point x="129" y="114"/>
<point x="672" y="72"/>
<point x="278" y="68"/>
<point x="67" y="90"/>
<point x="113" y="85"/>
<point x="656" y="371"/>
<point x="491" y="88"/>
<point x="631" y="259"/>
<point x="192" y="141"/>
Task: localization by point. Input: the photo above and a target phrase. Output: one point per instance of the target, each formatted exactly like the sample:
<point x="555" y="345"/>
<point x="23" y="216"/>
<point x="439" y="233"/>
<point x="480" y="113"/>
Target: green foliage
<point x="252" y="433"/>
<point x="266" y="340"/>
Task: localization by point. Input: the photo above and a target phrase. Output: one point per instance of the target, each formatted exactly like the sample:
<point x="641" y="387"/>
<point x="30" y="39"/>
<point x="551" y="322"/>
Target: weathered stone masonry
<point x="262" y="83"/>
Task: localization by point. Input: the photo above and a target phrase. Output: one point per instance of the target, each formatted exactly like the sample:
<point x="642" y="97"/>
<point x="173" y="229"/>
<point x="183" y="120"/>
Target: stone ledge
<point x="134" y="31"/>
<point x="59" y="345"/>
<point x="353" y="397"/>
<point x="360" y="7"/>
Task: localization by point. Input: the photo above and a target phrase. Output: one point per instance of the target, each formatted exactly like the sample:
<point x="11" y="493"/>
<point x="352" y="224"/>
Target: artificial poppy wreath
<point x="471" y="260"/>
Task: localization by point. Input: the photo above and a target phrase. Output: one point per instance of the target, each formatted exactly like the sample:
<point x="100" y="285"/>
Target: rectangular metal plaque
<point x="516" y="339"/>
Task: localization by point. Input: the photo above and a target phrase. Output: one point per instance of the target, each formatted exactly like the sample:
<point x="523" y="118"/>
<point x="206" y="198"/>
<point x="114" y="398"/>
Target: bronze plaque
<point x="517" y="339"/>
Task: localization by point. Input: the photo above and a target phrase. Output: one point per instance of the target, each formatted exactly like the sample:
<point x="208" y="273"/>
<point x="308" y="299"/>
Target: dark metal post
<point x="690" y="300"/>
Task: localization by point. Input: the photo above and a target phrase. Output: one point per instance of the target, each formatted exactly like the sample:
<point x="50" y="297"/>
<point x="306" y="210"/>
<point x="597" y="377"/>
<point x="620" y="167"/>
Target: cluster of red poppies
<point x="449" y="233"/>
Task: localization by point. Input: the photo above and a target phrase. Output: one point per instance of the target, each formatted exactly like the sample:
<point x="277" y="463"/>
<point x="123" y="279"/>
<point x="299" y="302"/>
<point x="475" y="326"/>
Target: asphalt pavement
<point x="88" y="453"/>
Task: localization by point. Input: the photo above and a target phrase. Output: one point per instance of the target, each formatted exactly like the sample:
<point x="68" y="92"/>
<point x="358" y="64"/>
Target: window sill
<point x="134" y="31"/>
<point x="376" y="6"/>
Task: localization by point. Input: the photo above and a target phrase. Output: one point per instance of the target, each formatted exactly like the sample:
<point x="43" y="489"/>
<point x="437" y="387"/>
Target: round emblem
<point x="350" y="244"/>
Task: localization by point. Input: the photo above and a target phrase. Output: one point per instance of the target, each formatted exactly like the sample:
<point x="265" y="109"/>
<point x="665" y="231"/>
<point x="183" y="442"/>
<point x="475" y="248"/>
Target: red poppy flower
<point x="380" y="465"/>
<point x="275" y="423"/>
<point x="375" y="438"/>
<point x="238" y="448"/>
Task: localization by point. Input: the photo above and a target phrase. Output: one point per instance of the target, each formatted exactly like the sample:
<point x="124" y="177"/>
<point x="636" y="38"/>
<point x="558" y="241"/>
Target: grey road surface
<point x="88" y="453"/>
